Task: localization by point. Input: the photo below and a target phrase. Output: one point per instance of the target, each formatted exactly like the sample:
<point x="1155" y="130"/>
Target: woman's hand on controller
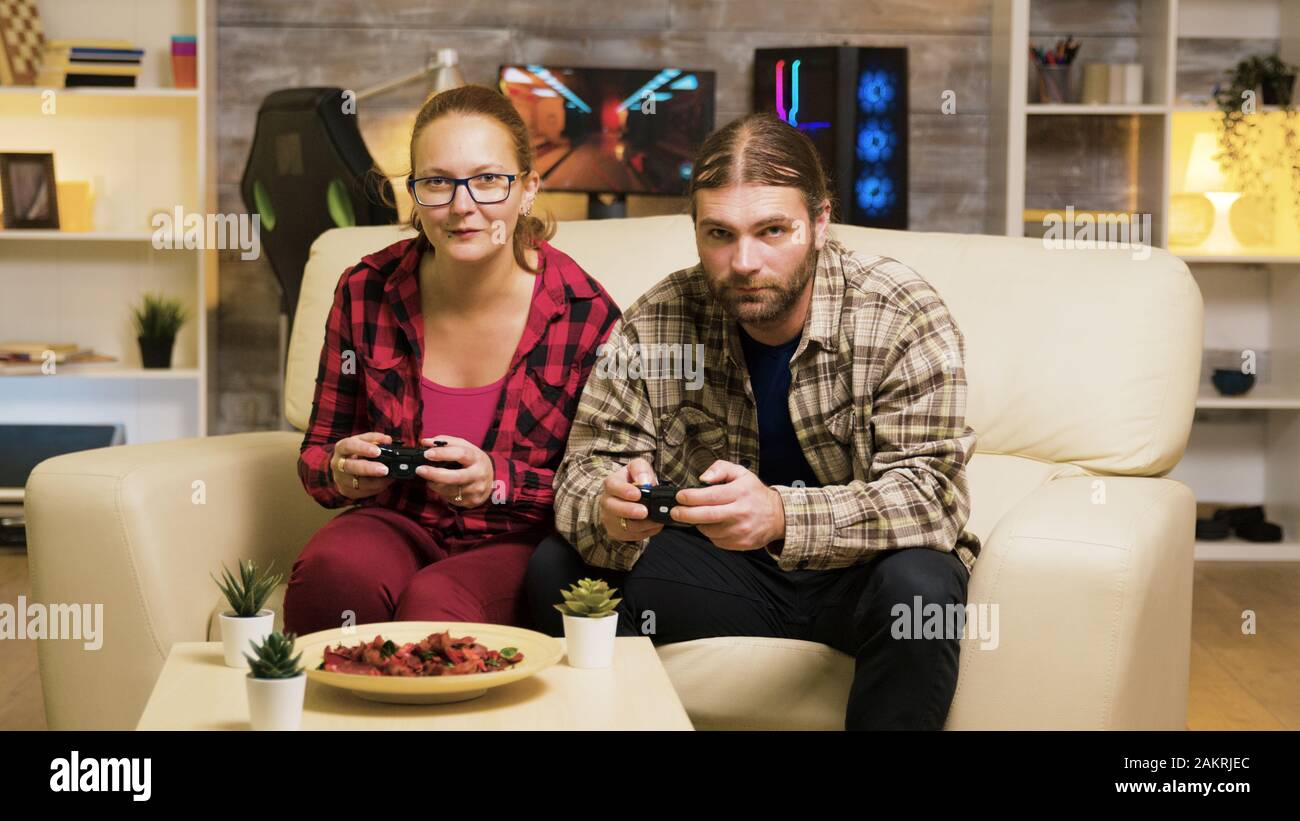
<point x="471" y="484"/>
<point x="355" y="476"/>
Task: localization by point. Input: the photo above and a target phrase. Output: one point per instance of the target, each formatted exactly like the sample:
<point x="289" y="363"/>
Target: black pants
<point x="686" y="588"/>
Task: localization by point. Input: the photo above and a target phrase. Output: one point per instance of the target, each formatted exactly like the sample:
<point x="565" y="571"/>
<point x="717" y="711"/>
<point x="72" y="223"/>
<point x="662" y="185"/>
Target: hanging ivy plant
<point x="1257" y="81"/>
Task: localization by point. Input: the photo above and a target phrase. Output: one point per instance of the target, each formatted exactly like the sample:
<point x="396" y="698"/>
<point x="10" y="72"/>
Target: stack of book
<point x="72" y="63"/>
<point x="21" y="357"/>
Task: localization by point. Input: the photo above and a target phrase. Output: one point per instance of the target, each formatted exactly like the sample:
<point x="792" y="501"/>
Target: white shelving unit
<point x="143" y="149"/>
<point x="1243" y="450"/>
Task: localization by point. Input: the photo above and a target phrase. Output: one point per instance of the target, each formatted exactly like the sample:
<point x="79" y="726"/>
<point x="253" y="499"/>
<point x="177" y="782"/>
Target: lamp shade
<point x="1204" y="174"/>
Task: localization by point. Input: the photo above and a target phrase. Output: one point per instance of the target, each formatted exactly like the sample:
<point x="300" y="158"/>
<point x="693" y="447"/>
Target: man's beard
<point x="771" y="303"/>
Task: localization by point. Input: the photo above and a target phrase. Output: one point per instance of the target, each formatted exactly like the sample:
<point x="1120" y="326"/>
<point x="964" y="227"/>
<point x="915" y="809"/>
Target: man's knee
<point x="911" y="578"/>
<point x="554" y="566"/>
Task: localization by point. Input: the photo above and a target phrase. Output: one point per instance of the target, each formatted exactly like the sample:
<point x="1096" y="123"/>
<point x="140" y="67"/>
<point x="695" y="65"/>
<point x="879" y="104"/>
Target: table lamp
<point x="1205" y="176"/>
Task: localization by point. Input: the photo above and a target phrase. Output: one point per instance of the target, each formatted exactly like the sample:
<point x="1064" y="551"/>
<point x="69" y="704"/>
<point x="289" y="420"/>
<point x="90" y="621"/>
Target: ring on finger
<point x="623" y="522"/>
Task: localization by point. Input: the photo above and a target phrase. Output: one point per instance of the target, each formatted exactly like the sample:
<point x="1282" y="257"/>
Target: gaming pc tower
<point x="852" y="104"/>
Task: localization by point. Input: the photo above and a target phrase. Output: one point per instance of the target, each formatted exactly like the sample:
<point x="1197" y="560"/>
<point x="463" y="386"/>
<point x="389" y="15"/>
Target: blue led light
<point x="792" y="119"/>
<point x="875" y="193"/>
<point x="876" y="141"/>
<point x="877" y="90"/>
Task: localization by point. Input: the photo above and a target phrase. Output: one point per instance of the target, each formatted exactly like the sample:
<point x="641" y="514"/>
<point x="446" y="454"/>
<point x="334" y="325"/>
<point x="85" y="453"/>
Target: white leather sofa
<point x="1082" y="366"/>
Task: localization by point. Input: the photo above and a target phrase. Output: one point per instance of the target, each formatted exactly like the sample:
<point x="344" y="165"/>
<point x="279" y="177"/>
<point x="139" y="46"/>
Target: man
<point x="822" y="458"/>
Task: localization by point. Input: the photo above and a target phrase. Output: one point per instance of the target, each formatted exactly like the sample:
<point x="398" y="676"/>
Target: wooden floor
<point x="1237" y="682"/>
<point x="21" y="706"/>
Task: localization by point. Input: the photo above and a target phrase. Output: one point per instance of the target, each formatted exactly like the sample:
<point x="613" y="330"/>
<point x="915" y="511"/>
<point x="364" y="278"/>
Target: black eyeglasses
<point x="484" y="189"/>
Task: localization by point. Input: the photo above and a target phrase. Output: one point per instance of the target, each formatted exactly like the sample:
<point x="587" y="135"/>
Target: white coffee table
<point x="196" y="691"/>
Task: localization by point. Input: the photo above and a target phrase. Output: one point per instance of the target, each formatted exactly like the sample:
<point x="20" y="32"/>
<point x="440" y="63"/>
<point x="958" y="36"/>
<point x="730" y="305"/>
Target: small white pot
<point x="590" y="642"/>
<point x="276" y="703"/>
<point x="236" y="633"/>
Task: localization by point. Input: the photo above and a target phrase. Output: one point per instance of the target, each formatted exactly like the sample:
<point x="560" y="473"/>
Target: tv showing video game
<point x="613" y="130"/>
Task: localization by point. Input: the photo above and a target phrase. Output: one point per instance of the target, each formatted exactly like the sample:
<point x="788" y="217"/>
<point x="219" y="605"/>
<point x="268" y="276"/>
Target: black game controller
<point x="403" y="461"/>
<point x="659" y="500"/>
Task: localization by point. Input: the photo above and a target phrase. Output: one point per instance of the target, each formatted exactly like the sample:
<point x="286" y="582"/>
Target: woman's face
<point x="465" y="145"/>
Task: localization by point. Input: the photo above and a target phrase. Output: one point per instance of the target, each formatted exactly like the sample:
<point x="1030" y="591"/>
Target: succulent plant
<point x="250" y="591"/>
<point x="275" y="658"/>
<point x="589" y="599"/>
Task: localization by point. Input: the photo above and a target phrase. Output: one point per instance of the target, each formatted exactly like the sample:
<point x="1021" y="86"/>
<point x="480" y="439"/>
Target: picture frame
<point x="28" y="190"/>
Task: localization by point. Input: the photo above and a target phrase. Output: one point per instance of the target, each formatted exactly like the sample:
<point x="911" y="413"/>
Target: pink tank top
<point x="467" y="413"/>
<point x="463" y="412"/>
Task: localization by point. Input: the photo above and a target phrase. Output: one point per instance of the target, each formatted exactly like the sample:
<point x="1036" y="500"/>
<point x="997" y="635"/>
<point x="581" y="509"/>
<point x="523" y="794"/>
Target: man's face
<point x="758" y="247"/>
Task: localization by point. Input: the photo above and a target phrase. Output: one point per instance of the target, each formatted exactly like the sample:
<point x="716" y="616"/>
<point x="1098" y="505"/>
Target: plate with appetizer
<point x="425" y="662"/>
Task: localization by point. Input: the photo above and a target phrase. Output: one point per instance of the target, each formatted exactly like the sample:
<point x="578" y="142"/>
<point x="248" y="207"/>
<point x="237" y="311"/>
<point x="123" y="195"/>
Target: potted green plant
<point x="276" y="684"/>
<point x="590" y="621"/>
<point x="1272" y="82"/>
<point x="246" y="620"/>
<point x="157" y="320"/>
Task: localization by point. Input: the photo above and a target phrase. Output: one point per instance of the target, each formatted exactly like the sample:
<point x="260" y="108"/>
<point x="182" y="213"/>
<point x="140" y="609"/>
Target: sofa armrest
<point x="139" y="529"/>
<point x="1093" y="581"/>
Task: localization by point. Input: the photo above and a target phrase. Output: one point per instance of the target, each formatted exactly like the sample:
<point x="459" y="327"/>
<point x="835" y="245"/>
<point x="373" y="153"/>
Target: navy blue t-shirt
<point x="780" y="459"/>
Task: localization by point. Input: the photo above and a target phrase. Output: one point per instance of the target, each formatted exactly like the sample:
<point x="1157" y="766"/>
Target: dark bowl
<point x="1232" y="382"/>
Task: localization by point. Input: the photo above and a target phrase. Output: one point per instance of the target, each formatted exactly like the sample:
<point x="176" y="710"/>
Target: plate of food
<point x="425" y="662"/>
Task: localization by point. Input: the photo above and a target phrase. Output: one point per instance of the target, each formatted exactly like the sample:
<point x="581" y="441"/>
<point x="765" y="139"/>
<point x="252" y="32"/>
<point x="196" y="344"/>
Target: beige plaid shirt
<point x="877" y="399"/>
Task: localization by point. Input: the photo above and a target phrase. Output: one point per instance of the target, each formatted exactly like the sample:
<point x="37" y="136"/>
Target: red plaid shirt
<point x="376" y="316"/>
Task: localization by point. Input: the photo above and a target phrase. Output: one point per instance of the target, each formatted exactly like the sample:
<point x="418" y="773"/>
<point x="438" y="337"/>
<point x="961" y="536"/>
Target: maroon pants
<point x="384" y="566"/>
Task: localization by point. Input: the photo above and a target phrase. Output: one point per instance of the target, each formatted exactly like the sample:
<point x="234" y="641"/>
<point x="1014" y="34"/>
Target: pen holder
<point x="1053" y="83"/>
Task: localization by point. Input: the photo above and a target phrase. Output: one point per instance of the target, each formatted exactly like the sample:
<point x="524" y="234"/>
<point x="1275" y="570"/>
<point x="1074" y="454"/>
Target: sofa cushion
<point x="751" y="683"/>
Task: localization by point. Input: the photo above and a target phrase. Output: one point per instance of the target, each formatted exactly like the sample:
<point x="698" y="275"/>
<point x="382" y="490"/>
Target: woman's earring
<point x="528" y="207"/>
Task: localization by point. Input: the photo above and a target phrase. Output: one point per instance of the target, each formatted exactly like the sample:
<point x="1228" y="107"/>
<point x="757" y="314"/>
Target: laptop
<point x="23" y="447"/>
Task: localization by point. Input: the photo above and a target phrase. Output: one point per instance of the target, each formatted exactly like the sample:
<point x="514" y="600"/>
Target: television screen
<point x="607" y="130"/>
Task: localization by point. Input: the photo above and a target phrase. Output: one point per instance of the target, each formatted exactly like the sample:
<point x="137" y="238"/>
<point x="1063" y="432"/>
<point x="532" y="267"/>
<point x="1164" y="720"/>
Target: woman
<point x="476" y="333"/>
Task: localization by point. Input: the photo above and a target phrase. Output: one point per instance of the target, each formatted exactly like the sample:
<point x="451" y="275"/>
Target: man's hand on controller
<point x="624" y="517"/>
<point x="738" y="512"/>
<point x="471" y="485"/>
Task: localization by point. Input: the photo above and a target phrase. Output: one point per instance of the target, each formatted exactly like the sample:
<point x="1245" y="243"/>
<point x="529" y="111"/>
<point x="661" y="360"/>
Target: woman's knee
<point x="350" y="568"/>
<point x="325" y="560"/>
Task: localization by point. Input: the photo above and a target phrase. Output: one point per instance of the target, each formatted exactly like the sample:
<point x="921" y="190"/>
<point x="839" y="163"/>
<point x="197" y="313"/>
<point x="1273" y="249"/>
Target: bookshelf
<point x="1243" y="450"/>
<point x="144" y="149"/>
